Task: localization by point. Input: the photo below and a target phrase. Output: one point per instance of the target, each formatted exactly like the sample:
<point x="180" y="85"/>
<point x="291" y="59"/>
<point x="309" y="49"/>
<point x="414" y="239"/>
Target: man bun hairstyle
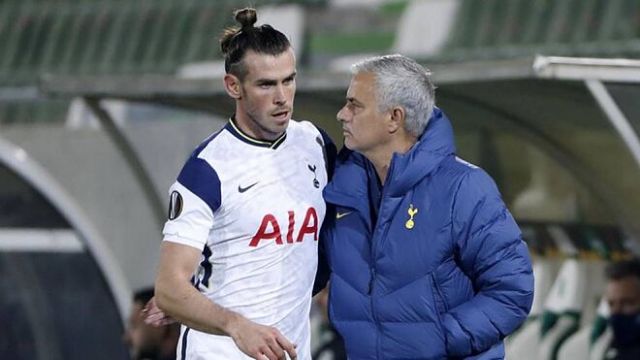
<point x="236" y="41"/>
<point x="246" y="17"/>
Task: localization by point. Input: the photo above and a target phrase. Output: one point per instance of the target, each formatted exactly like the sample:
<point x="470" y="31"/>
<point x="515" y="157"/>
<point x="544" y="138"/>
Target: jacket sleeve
<point x="490" y="251"/>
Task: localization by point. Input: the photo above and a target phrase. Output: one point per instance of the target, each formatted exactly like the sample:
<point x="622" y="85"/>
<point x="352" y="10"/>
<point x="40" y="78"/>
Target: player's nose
<point x="279" y="96"/>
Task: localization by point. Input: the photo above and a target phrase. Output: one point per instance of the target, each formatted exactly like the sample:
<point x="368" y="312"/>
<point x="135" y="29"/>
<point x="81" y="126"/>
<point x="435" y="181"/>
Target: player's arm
<point x="177" y="297"/>
<point x="154" y="316"/>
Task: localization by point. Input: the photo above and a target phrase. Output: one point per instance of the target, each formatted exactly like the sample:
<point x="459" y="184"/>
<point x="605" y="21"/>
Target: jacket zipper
<point x="374" y="250"/>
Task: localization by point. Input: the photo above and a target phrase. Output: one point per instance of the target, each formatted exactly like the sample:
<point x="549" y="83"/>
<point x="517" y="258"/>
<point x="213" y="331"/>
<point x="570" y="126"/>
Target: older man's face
<point x="364" y="127"/>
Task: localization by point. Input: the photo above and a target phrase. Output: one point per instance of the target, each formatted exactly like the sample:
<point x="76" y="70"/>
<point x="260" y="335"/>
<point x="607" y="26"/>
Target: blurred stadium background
<point x="102" y="100"/>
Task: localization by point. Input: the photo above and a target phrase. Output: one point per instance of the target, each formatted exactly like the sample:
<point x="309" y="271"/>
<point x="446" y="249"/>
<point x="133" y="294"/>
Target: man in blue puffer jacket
<point x="425" y="260"/>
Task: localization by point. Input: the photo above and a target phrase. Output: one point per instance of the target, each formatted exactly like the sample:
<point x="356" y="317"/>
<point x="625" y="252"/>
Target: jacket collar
<point x="432" y="147"/>
<point x="349" y="184"/>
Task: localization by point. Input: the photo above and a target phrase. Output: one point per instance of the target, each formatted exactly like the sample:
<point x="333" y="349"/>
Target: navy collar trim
<point x="234" y="129"/>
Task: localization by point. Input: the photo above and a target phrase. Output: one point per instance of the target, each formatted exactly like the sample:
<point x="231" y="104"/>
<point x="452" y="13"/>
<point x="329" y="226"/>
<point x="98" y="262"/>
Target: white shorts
<point x="196" y="345"/>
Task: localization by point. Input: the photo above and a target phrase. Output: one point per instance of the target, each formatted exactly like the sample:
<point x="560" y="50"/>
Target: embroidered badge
<point x="316" y="183"/>
<point x="411" y="211"/>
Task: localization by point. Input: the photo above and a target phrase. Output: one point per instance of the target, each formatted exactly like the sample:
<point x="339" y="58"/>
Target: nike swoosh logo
<point x="243" y="189"/>
<point x="341" y="215"/>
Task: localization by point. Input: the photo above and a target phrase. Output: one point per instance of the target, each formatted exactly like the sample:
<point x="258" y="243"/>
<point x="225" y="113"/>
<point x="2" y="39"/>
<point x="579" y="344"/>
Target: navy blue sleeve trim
<point x="202" y="180"/>
<point x="329" y="151"/>
<point x="206" y="265"/>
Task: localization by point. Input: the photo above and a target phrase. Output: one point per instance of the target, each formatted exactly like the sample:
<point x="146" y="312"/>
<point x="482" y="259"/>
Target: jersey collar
<point x="234" y="129"/>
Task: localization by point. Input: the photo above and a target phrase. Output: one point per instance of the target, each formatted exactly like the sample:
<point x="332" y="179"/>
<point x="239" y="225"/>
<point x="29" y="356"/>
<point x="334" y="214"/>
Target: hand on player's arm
<point x="154" y="316"/>
<point x="257" y="340"/>
<point x="178" y="299"/>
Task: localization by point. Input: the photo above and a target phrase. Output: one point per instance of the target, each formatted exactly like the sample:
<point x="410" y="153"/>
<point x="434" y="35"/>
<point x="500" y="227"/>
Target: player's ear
<point x="232" y="86"/>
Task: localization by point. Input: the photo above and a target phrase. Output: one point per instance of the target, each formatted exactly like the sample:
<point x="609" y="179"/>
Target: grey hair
<point x="401" y="81"/>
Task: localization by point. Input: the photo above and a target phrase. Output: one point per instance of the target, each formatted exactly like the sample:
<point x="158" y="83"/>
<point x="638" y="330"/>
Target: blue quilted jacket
<point x="440" y="272"/>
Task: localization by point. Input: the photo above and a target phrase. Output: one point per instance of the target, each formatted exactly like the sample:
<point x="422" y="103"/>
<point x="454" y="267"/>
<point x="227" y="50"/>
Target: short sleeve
<point x="193" y="200"/>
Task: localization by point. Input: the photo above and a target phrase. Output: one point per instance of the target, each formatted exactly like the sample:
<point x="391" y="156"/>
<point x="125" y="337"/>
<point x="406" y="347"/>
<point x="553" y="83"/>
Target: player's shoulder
<point x="200" y="162"/>
<point x="307" y="130"/>
<point x="212" y="146"/>
<point x="302" y="128"/>
<point x="198" y="171"/>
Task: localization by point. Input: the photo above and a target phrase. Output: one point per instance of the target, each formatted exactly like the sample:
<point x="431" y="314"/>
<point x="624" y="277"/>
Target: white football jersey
<point x="255" y="209"/>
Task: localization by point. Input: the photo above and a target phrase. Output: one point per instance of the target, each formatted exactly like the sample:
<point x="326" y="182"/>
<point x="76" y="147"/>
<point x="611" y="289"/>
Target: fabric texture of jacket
<point x="441" y="272"/>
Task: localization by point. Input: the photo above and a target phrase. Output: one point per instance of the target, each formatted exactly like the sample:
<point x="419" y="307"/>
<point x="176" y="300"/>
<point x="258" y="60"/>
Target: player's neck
<point x="249" y="128"/>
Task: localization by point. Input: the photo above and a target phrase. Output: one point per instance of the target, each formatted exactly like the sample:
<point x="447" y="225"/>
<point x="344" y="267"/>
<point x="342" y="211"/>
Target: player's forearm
<point x="184" y="303"/>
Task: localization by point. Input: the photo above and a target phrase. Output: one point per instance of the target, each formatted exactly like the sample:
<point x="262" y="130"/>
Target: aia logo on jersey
<point x="270" y="228"/>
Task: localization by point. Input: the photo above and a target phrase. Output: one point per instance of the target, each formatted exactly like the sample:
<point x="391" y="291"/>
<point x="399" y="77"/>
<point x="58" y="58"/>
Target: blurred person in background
<point x="148" y="342"/>
<point x="622" y="293"/>
<point x="239" y="254"/>
<point x="425" y="260"/>
<point x="328" y="343"/>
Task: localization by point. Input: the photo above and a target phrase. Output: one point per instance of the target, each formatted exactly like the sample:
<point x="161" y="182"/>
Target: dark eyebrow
<point x="274" y="81"/>
<point x="354" y="101"/>
<point x="266" y="82"/>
